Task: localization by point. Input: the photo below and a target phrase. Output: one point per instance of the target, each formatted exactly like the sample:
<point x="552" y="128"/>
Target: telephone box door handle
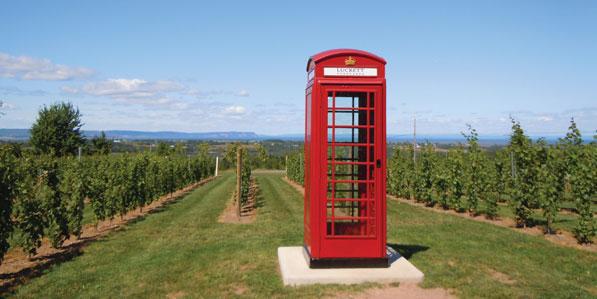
<point x="378" y="163"/>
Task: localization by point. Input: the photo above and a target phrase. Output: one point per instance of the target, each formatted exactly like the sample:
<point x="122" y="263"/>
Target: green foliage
<point x="442" y="182"/>
<point x="194" y="245"/>
<point x="163" y="149"/>
<point x="8" y="189"/>
<point x="261" y="154"/>
<point x="180" y="149"/>
<point x="28" y="207"/>
<point x="96" y="177"/>
<point x="401" y="172"/>
<point x="456" y="177"/>
<point x="55" y="218"/>
<point x="523" y="182"/>
<point x="72" y="192"/>
<point x="582" y="178"/>
<point x="44" y="196"/>
<point x="245" y="182"/>
<point x="476" y="171"/>
<point x="57" y="130"/>
<point x="501" y="167"/>
<point x="424" y="188"/>
<point x="488" y="188"/>
<point x="295" y="168"/>
<point x="101" y="145"/>
<point x="527" y="175"/>
<point x="551" y="187"/>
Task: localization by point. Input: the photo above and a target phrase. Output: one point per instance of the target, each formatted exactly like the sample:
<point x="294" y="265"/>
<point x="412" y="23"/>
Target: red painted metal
<point x="345" y="156"/>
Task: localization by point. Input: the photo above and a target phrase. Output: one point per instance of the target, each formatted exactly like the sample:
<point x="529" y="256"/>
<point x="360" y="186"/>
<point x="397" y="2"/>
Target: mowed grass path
<point x="183" y="251"/>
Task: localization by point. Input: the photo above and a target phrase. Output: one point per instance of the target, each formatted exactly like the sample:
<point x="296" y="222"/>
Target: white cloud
<point x="128" y="88"/>
<point x="211" y="94"/>
<point x="200" y="94"/>
<point x="6" y="106"/>
<point x="15" y="91"/>
<point x="235" y="110"/>
<point x="30" y="68"/>
<point x="69" y="89"/>
<point x="544" y="118"/>
<point x="133" y="91"/>
<point x="243" y="93"/>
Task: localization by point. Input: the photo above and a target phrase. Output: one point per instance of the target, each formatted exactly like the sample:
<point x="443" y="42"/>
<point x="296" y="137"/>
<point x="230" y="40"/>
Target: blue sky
<point x="226" y="65"/>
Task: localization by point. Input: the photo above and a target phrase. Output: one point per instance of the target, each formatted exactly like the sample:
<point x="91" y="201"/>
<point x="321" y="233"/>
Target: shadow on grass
<point x="407" y="250"/>
<point x="259" y="200"/>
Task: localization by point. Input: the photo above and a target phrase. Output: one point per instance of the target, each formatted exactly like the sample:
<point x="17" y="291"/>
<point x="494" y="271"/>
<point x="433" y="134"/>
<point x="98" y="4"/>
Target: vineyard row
<point x="526" y="175"/>
<point x="44" y="196"/>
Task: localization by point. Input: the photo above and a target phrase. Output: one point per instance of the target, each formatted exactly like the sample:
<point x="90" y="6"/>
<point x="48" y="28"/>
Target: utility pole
<point x="79" y="153"/>
<point x="286" y="166"/>
<point x="238" y="179"/>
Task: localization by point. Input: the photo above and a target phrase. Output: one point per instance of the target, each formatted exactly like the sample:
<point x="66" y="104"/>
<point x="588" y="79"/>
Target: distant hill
<point x="23" y="135"/>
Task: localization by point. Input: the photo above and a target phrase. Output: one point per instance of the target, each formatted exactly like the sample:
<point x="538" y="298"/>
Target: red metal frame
<point x="345" y="204"/>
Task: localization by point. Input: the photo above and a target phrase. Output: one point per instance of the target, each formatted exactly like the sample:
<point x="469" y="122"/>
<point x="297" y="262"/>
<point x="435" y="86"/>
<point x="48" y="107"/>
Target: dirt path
<point x="248" y="212"/>
<point x="17" y="267"/>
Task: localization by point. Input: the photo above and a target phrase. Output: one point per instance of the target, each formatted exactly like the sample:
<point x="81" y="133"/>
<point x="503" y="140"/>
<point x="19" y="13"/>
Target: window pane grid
<point x="350" y="206"/>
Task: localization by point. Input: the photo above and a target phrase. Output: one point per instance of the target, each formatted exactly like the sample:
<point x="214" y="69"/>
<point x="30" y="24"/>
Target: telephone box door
<point x="353" y="221"/>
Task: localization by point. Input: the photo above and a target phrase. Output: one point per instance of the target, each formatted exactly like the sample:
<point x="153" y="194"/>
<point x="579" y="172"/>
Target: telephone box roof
<point x="339" y="52"/>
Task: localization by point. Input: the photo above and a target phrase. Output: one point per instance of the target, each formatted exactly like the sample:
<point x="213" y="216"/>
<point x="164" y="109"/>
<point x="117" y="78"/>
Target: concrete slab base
<point x="295" y="270"/>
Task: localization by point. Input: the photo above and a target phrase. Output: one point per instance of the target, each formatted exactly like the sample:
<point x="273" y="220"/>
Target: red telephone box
<point x="345" y="160"/>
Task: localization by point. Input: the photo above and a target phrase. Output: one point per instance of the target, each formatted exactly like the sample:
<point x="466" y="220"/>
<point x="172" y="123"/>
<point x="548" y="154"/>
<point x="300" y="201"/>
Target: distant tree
<point x="261" y="155"/>
<point x="230" y="153"/>
<point x="573" y="136"/>
<point x="180" y="149"/>
<point x="163" y="149"/>
<point x="57" y="130"/>
<point x="101" y="145"/>
<point x="203" y="150"/>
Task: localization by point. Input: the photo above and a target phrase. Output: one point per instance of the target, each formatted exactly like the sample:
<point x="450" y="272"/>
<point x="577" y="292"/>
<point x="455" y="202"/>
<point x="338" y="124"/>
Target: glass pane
<point x="350" y="205"/>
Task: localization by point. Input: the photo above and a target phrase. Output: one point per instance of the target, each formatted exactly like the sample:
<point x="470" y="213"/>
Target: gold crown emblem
<point x="350" y="61"/>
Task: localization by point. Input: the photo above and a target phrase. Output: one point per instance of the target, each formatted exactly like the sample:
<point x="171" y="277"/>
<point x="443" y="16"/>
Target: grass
<point x="183" y="250"/>
<point x="465" y="255"/>
<point x="564" y="221"/>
